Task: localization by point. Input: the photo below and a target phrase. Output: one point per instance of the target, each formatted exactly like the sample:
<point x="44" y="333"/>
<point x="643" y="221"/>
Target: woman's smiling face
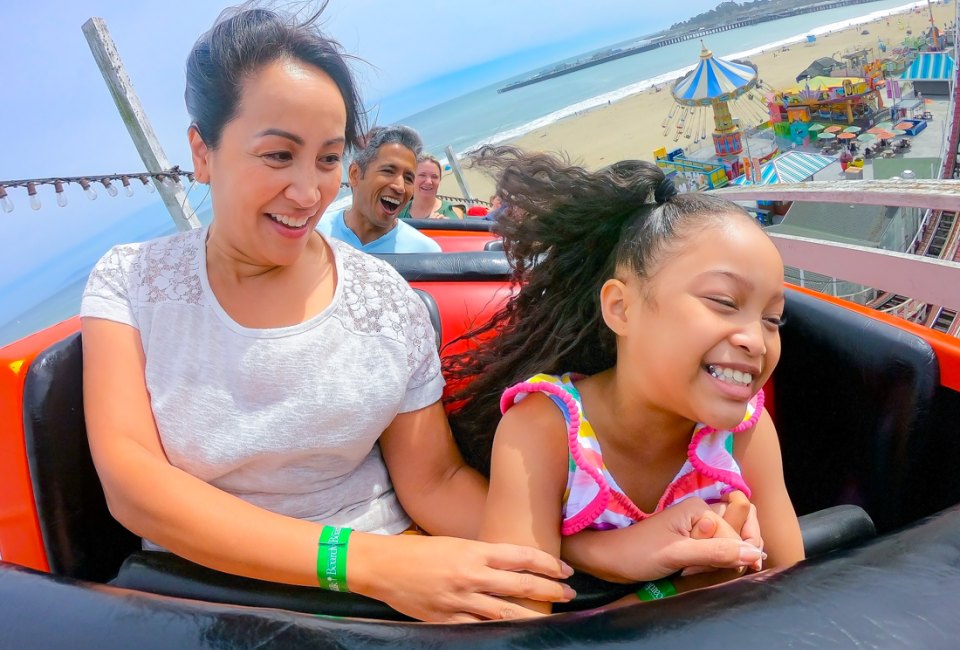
<point x="428" y="178"/>
<point x="278" y="164"/>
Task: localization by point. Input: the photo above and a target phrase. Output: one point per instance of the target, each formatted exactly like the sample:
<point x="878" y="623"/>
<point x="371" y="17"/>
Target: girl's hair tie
<point x="665" y="191"/>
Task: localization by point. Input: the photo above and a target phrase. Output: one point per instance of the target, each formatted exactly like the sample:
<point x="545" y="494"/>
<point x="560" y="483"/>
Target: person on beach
<point x="381" y="178"/>
<point x="633" y="357"/>
<point x="248" y="385"/>
<point x="426" y="204"/>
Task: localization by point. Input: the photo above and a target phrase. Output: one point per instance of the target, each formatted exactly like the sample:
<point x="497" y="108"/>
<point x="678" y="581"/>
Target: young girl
<point x="634" y="356"/>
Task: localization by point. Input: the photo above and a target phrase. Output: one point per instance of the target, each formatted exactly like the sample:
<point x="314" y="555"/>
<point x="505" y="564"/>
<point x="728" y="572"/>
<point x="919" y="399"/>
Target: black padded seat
<point x="166" y="574"/>
<point x="493" y="245"/>
<point x="80" y="537"/>
<point x="896" y="592"/>
<point x="852" y="401"/>
<point x="832" y="529"/>
<point x="434" y="312"/>
<point x="486" y="266"/>
<point x="169" y="575"/>
<point x="469" y="225"/>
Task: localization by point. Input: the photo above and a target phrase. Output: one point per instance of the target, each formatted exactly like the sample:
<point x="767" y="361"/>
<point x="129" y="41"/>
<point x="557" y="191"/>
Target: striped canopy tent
<point x="930" y="66"/>
<point x="791" y="167"/>
<point x="930" y="73"/>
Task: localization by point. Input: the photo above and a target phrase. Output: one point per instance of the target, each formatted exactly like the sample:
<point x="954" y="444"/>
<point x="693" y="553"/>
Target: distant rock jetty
<point x="670" y="39"/>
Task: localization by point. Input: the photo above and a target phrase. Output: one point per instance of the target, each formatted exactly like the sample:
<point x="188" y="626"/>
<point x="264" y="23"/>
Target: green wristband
<point x="656" y="590"/>
<point x="332" y="558"/>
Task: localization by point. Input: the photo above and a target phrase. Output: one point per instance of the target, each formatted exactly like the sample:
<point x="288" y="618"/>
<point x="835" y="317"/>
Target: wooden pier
<point x="672" y="39"/>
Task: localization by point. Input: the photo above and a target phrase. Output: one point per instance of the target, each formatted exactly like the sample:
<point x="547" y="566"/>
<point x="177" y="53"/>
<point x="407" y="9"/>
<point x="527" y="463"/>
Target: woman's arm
<point x="758" y="453"/>
<point x="528" y="471"/>
<point x="162" y="503"/>
<point x="439" y="491"/>
<point x="438" y="579"/>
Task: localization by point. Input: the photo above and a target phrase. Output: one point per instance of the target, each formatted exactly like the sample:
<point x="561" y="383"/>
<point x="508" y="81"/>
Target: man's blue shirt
<point x="403" y="238"/>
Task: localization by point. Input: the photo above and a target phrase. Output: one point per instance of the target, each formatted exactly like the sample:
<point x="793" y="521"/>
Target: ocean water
<point x="484" y="116"/>
<point x="52" y="293"/>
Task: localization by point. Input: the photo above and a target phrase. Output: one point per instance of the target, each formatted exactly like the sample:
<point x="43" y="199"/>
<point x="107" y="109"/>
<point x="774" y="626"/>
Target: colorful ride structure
<point x="725" y="88"/>
<point x="713" y="84"/>
<point x="853" y="101"/>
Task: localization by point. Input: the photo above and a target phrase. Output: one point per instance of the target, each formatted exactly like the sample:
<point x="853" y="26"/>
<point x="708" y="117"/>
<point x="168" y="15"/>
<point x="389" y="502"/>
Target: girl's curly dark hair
<point x="565" y="232"/>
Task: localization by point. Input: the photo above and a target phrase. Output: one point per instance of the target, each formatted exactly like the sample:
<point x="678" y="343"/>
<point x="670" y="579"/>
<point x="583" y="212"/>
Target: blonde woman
<point x="425" y="203"/>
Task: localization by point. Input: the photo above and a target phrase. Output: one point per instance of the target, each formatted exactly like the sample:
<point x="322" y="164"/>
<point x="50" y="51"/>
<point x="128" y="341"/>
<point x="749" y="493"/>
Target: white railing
<point x="919" y="193"/>
<point x="923" y="279"/>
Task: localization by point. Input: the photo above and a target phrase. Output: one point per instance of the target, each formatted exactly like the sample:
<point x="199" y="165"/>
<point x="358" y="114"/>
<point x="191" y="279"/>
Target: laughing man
<point x="381" y="178"/>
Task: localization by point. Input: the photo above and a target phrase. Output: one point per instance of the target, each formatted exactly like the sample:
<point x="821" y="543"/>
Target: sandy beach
<point x="631" y="128"/>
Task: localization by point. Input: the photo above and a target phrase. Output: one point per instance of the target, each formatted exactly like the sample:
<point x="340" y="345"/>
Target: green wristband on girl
<point x="656" y="590"/>
<point x="332" y="558"/>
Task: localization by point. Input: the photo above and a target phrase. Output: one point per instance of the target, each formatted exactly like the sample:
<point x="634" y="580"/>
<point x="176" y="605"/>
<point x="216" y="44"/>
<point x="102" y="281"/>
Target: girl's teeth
<point x="730" y="375"/>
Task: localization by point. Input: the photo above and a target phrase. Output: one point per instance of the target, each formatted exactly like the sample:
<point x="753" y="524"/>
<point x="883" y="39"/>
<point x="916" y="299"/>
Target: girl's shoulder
<point x="558" y="388"/>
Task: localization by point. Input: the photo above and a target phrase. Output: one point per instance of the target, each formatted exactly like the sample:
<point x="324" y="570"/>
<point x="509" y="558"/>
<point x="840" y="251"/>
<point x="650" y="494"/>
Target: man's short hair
<point x="381" y="135"/>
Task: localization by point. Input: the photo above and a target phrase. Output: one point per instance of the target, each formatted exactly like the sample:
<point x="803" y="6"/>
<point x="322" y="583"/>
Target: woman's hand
<point x="688" y="534"/>
<point x="733" y="519"/>
<point x="446" y="579"/>
<point x="741" y="514"/>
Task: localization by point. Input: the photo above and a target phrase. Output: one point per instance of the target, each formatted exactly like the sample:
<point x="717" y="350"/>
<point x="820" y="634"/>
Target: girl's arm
<point x="758" y="453"/>
<point x="528" y="472"/>
<point x="687" y="534"/>
<point x="438" y="579"/>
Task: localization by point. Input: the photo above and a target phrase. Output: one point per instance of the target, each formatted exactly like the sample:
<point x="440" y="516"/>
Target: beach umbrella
<point x="866" y="137"/>
<point x="852" y="129"/>
<point x="898" y="131"/>
<point x="902" y="126"/>
<point x="816" y="126"/>
<point x="883" y="125"/>
<point x="824" y="135"/>
<point x="833" y="128"/>
<point x="877" y="129"/>
<point x="846" y="136"/>
<point x="885" y="135"/>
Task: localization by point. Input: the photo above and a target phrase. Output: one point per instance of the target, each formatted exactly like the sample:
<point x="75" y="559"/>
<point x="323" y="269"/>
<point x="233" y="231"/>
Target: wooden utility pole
<point x="131" y="111"/>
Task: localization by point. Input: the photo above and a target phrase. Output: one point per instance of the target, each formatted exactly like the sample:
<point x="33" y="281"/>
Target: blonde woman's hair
<point x="425" y="157"/>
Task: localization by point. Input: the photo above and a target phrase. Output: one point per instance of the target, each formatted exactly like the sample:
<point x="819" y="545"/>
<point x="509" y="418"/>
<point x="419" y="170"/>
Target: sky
<point x="57" y="117"/>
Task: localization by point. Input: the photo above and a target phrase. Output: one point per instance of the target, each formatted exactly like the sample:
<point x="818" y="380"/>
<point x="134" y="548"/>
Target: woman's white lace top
<point x="285" y="418"/>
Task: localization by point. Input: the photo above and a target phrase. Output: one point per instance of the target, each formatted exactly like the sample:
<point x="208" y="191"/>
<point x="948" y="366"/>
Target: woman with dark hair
<point x="247" y="385"/>
<point x="645" y="328"/>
